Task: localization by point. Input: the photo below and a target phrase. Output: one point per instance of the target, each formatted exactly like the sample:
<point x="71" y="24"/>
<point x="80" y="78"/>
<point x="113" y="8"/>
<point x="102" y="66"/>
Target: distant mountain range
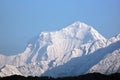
<point x="74" y="50"/>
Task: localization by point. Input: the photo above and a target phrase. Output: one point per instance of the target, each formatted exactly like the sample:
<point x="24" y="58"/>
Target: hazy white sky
<point x="20" y="20"/>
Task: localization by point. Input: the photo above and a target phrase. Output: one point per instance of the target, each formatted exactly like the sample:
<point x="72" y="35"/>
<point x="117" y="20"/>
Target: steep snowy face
<point x="60" y="46"/>
<point x="104" y="60"/>
<point x="70" y="51"/>
<point x="9" y="70"/>
<point x="113" y="39"/>
<point x="110" y="64"/>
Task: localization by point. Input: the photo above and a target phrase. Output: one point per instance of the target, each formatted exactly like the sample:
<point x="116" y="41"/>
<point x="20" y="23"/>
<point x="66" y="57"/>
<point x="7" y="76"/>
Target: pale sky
<point x="20" y="20"/>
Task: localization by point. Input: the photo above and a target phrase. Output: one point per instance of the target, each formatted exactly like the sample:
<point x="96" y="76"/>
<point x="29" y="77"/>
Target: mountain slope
<point x="110" y="64"/>
<point x="9" y="70"/>
<point x="60" y="44"/>
<point x="56" y="48"/>
<point x="76" y="44"/>
<point x="81" y="65"/>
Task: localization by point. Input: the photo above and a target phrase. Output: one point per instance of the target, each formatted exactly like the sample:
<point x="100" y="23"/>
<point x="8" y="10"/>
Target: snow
<point x="89" y="63"/>
<point x="110" y="64"/>
<point x="59" y="44"/>
<point x="67" y="47"/>
<point x="33" y="69"/>
<point x="9" y="70"/>
<point x="113" y="39"/>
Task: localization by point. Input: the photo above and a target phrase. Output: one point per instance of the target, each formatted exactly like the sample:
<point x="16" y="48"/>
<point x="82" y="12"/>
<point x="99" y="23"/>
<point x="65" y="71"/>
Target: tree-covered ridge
<point x="89" y="76"/>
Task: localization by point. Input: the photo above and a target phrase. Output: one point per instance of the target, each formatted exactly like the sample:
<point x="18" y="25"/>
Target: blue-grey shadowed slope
<point x="81" y="65"/>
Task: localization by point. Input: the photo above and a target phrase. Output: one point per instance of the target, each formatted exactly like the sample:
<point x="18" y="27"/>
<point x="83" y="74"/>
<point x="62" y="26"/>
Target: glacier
<point x="74" y="50"/>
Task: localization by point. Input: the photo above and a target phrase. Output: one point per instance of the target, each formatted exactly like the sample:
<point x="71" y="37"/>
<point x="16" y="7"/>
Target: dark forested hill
<point x="90" y="76"/>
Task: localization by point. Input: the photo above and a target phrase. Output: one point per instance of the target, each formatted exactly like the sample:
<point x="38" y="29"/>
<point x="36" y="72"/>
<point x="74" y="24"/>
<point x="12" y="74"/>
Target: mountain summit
<point x="71" y="48"/>
<point x="65" y="44"/>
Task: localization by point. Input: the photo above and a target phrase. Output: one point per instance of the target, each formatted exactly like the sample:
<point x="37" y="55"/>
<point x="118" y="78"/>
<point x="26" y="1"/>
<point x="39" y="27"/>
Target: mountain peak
<point x="78" y="30"/>
<point x="52" y="49"/>
<point x="51" y="45"/>
<point x="78" y="25"/>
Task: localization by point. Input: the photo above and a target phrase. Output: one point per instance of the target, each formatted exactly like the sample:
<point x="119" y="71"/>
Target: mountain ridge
<point x="84" y="64"/>
<point x="49" y="50"/>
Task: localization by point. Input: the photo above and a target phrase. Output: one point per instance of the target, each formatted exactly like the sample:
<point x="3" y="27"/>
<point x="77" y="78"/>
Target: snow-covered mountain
<point x="95" y="62"/>
<point x="8" y="70"/>
<point x="73" y="50"/>
<point x="110" y="64"/>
